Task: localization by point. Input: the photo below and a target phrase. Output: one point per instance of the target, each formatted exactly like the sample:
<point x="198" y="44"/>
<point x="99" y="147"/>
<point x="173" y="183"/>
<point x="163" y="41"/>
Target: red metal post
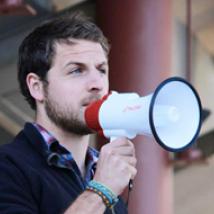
<point x="140" y="34"/>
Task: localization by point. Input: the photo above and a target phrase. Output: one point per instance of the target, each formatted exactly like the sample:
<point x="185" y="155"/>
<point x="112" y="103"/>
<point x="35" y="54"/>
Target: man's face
<point x="79" y="76"/>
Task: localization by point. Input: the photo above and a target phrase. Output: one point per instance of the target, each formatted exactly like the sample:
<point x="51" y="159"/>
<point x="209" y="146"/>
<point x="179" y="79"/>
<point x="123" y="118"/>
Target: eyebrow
<point x="104" y="63"/>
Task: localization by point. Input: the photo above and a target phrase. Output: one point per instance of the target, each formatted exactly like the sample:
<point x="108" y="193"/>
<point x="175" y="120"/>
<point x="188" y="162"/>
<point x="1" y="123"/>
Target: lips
<point x="89" y="101"/>
<point x="87" y="104"/>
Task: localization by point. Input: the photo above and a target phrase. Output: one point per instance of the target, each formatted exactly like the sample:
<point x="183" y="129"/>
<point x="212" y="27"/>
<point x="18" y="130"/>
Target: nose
<point x="96" y="82"/>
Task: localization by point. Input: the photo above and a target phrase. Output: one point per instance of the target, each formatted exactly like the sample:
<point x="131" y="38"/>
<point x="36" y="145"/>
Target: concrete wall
<point x="202" y="75"/>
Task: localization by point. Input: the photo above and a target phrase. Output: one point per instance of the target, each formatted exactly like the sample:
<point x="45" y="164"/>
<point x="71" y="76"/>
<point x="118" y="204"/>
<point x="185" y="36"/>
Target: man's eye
<point x="76" y="71"/>
<point x="103" y="71"/>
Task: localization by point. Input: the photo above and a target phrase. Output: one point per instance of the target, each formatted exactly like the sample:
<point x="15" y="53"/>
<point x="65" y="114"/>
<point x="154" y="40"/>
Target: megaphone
<point x="172" y="114"/>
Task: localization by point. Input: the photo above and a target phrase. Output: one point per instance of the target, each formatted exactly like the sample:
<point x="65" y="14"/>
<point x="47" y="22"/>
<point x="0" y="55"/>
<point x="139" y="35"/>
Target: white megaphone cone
<point x="172" y="114"/>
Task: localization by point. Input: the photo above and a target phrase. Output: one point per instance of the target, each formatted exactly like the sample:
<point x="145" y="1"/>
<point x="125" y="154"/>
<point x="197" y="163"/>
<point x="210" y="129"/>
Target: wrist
<point x="106" y="194"/>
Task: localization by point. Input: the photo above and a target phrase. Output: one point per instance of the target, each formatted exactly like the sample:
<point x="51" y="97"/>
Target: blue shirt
<point x="59" y="156"/>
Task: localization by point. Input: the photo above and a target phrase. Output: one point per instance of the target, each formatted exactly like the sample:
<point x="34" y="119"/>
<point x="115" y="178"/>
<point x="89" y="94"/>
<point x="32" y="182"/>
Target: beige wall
<point x="203" y="78"/>
<point x="202" y="74"/>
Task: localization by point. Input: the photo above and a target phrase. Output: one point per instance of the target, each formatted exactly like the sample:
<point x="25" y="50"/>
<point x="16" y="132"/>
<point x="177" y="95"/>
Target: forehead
<point x="81" y="50"/>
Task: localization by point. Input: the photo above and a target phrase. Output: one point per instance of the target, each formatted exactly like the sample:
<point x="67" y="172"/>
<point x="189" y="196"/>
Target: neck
<point x="75" y="144"/>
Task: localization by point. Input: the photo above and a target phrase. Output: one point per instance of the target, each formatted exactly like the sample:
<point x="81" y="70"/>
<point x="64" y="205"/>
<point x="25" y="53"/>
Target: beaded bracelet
<point x="108" y="197"/>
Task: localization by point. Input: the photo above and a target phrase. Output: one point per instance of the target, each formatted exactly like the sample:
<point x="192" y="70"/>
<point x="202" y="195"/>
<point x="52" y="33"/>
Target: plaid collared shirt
<point x="59" y="156"/>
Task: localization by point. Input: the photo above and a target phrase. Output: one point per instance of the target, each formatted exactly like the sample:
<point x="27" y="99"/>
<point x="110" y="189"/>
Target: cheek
<point x="61" y="90"/>
<point x="68" y="96"/>
<point x="58" y="95"/>
<point x="106" y="88"/>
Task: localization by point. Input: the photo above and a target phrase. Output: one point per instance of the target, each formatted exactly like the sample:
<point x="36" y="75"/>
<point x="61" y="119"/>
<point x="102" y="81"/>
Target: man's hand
<point x="116" y="165"/>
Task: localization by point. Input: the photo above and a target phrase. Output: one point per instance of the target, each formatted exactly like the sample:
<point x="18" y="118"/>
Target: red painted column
<point x="140" y="34"/>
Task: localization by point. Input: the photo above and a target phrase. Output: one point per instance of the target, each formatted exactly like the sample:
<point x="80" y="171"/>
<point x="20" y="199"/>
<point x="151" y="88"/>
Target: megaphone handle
<point x="130" y="186"/>
<point x="131" y="181"/>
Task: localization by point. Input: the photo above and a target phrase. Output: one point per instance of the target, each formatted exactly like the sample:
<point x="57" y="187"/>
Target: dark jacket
<point x="29" y="185"/>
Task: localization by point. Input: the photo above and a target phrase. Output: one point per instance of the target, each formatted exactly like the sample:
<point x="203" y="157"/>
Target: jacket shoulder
<point x="16" y="145"/>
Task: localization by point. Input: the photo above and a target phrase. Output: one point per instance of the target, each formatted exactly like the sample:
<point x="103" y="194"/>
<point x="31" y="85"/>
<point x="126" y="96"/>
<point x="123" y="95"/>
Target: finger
<point x="133" y="171"/>
<point x="124" y="150"/>
<point x="130" y="171"/>
<point x="121" y="142"/>
<point x="132" y="161"/>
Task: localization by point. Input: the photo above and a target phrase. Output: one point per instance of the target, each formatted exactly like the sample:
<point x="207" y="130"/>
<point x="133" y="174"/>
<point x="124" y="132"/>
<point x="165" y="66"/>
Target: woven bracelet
<point x="108" y="197"/>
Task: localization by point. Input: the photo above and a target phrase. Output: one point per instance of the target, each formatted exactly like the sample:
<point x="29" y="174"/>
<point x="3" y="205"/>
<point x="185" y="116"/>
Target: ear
<point x="35" y="86"/>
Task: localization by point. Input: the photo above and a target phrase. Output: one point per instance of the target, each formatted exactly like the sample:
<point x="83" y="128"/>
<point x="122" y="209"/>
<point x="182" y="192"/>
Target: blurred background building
<point x="191" y="43"/>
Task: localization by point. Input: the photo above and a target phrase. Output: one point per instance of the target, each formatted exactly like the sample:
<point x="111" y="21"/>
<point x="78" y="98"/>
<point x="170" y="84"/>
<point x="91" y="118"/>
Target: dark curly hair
<point x="37" y="50"/>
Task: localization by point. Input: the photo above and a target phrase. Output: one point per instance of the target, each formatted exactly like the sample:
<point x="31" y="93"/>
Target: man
<point x="49" y="167"/>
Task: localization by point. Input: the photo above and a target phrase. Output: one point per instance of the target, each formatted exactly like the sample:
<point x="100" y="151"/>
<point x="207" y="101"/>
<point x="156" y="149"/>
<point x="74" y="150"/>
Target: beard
<point x="64" y="118"/>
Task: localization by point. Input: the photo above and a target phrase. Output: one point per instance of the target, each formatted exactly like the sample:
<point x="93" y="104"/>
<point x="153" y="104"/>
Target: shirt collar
<point x="55" y="151"/>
